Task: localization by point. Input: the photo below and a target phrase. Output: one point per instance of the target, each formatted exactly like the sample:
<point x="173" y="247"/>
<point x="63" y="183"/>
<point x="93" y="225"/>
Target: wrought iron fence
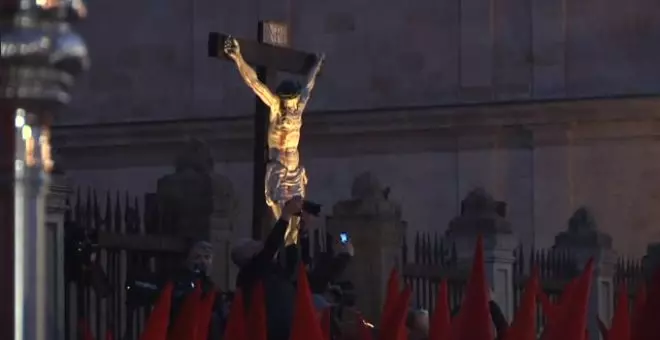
<point x="106" y="244"/>
<point x="434" y="259"/>
<point x="110" y="240"/>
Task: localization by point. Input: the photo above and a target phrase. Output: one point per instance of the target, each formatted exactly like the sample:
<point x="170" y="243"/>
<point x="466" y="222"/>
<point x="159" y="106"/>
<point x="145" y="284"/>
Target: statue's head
<point x="289" y="93"/>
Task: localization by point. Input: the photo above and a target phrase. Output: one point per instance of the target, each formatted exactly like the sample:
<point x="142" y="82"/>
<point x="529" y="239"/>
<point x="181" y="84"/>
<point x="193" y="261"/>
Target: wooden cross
<point x="269" y="54"/>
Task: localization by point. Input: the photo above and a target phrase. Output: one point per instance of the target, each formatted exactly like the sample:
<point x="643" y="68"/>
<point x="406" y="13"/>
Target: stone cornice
<point x="393" y="130"/>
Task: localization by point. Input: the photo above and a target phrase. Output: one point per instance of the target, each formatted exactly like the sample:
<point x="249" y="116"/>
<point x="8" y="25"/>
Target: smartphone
<point x="343" y="237"/>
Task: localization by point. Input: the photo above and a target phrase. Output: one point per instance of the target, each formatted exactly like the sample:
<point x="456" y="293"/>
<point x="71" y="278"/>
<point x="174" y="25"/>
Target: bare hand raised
<point x="232" y="49"/>
<point x="344" y="248"/>
<point x="320" y="58"/>
<point x="292" y="207"/>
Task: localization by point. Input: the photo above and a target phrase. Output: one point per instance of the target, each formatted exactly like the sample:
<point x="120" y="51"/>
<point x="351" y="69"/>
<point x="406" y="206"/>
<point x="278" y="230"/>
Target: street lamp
<point x="40" y="57"/>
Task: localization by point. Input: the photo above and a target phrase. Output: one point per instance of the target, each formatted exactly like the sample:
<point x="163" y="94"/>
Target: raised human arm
<point x="248" y="74"/>
<point x="250" y="77"/>
<point x="273" y="242"/>
<point x="276" y="237"/>
<point x="306" y="91"/>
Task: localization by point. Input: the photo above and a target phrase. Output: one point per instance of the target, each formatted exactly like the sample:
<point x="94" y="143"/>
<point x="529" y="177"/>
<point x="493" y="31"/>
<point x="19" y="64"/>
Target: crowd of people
<point x="273" y="278"/>
<point x="258" y="263"/>
<point x="274" y="266"/>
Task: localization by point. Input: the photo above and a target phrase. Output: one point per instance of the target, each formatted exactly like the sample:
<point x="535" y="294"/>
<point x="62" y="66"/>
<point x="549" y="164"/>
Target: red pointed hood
<point x="571" y="321"/>
<point x="185" y="326"/>
<point x="305" y="324"/>
<point x="551" y="309"/>
<point x="440" y="327"/>
<point x="391" y="295"/>
<point x="394" y="327"/>
<point x="326" y="319"/>
<point x="648" y="323"/>
<point x="257" y="314"/>
<point x="474" y="321"/>
<point x="159" y="319"/>
<point x="638" y="313"/>
<point x="620" y="329"/>
<point x="236" y="325"/>
<point x="205" y="315"/>
<point x="523" y="326"/>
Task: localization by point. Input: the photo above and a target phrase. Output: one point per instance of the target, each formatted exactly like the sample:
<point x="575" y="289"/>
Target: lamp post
<point x="41" y="56"/>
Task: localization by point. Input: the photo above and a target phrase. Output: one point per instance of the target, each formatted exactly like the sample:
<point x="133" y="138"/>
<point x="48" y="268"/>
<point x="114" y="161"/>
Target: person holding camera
<point x="330" y="266"/>
<point x="256" y="262"/>
<point x="196" y="269"/>
<point x="145" y="288"/>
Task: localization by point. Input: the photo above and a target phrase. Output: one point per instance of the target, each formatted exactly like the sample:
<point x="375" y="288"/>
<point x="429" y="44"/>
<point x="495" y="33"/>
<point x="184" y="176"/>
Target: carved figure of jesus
<point x="285" y="176"/>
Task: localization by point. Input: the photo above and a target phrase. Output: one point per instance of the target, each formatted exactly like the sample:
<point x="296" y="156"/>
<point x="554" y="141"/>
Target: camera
<point x="311" y="208"/>
<point x="143" y="290"/>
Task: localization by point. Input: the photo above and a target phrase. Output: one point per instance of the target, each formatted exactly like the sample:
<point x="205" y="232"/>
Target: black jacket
<point x="278" y="283"/>
<point x="326" y="269"/>
<point x="279" y="290"/>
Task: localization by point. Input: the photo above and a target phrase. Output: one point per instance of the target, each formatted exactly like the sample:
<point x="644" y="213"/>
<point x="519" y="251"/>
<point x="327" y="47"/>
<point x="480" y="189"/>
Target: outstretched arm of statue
<point x="311" y="81"/>
<point x="232" y="49"/>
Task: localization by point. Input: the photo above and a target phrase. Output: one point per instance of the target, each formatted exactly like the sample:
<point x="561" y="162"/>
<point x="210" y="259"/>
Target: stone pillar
<point x="200" y="205"/>
<point x="583" y="241"/>
<point x="56" y="207"/>
<point x="481" y="214"/>
<point x="375" y="227"/>
<point x="40" y="58"/>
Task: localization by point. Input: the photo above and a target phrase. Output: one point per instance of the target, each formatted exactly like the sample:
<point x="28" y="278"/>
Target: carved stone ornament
<point x="368" y="198"/>
<point x="583" y="232"/>
<point x="193" y="193"/>
<point x="195" y="156"/>
<point x="480" y="213"/>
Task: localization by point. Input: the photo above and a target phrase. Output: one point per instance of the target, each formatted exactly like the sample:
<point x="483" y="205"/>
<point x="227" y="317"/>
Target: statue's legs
<point x="291" y="235"/>
<point x="281" y="186"/>
<point x="276" y="209"/>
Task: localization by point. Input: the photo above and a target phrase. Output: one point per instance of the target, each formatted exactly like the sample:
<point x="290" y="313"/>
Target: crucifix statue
<point x="285" y="176"/>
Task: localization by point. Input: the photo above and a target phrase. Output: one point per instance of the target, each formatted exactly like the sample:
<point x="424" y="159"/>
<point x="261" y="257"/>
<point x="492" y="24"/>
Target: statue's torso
<point x="285" y="177"/>
<point x="284" y="131"/>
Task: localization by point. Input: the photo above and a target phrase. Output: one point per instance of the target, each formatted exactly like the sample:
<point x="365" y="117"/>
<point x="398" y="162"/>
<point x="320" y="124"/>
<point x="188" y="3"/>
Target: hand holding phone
<point x="344" y="246"/>
<point x="343" y="237"/>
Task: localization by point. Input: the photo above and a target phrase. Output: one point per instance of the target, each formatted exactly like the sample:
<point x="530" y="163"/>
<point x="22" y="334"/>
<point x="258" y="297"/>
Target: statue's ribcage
<point x="284" y="137"/>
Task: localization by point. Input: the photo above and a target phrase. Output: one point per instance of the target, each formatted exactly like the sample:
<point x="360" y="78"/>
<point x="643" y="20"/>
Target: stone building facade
<point x="434" y="97"/>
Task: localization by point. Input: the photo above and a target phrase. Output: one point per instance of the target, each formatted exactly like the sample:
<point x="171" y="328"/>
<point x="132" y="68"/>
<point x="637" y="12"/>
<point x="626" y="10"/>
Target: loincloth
<point x="283" y="184"/>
